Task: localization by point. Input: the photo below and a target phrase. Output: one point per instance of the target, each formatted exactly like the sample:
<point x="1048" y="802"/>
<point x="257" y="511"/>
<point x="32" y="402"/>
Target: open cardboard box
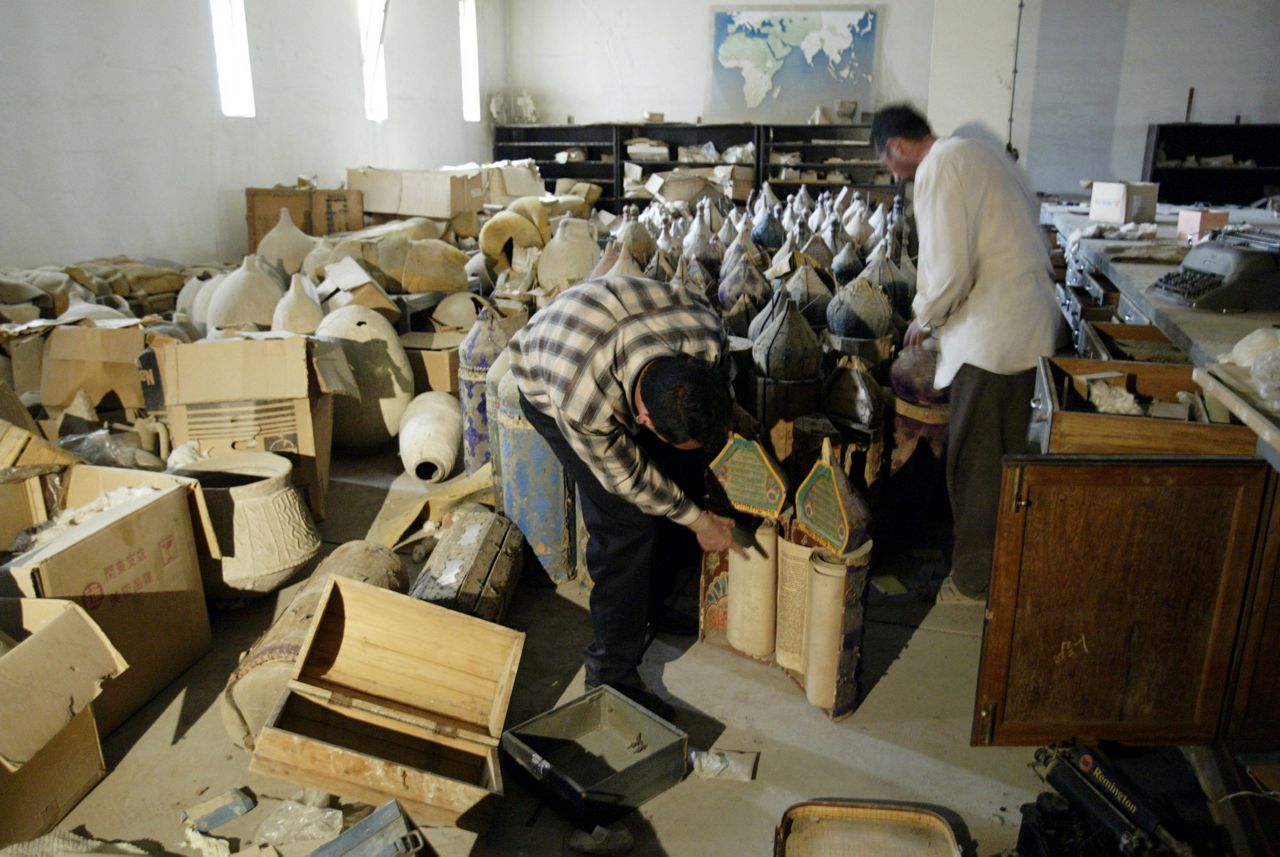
<point x="423" y="193"/>
<point x="133" y="568"/>
<point x="101" y="359"/>
<point x="53" y="661"/>
<point x="434" y="358"/>
<point x="262" y="393"/>
<point x="395" y="698"/>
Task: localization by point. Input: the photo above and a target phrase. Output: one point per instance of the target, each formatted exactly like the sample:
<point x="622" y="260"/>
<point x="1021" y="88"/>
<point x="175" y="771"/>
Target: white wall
<point x="612" y="60"/>
<point x="1094" y="73"/>
<point x="971" y="64"/>
<point x="112" y="139"/>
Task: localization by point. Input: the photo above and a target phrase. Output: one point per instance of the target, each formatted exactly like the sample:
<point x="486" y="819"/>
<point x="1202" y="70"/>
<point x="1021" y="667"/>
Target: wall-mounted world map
<point x="776" y="66"/>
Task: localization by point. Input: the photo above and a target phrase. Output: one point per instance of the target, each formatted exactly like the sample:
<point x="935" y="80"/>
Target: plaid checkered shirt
<point x="578" y="360"/>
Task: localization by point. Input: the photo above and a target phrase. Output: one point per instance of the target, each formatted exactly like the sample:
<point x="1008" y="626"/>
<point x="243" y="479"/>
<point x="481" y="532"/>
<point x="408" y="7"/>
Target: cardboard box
<point x="50" y="757"/>
<point x="507" y="181"/>
<point x="1196" y="222"/>
<point x="434" y="358"/>
<point x="133" y="568"/>
<point x="395" y="699"/>
<point x="102" y="360"/>
<point x="421" y="193"/>
<point x="263" y="393"/>
<point x="25" y="347"/>
<point x="315" y="212"/>
<point x="1124" y="202"/>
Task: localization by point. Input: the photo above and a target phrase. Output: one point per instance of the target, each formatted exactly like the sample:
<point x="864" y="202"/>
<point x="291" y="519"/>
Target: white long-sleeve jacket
<point x="984" y="286"/>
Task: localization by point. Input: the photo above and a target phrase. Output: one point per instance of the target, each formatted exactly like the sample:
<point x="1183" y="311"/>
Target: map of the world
<point x="778" y="65"/>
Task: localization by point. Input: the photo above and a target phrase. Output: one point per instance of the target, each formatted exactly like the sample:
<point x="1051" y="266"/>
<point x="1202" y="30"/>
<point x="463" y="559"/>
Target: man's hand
<point x="915" y="335"/>
<point x="715" y="534"/>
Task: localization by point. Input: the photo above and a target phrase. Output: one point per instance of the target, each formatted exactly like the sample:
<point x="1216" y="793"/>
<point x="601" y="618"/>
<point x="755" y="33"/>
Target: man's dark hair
<point x="687" y="399"/>
<point x="897" y="120"/>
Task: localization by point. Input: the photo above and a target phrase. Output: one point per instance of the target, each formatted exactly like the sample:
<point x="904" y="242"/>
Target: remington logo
<point x="1114" y="790"/>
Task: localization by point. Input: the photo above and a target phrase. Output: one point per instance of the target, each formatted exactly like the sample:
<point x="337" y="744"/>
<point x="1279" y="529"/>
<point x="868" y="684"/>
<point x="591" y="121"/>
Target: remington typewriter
<point x="1230" y="272"/>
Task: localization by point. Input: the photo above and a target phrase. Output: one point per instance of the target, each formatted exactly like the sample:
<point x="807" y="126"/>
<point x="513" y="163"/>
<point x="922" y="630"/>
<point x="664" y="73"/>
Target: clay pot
<point x="737" y="319"/>
<point x="248" y="295"/>
<point x="626" y="266"/>
<point x="728" y="232"/>
<point x="811" y="295"/>
<point x="767" y="200"/>
<point x="911" y="377"/>
<point x="847" y="264"/>
<point x="569" y="256"/>
<point x="268" y="530"/>
<point x="432" y="265"/>
<point x="776" y="304"/>
<point x="298" y="311"/>
<point x="187" y="295"/>
<point x="382" y="373"/>
<point x="767" y="232"/>
<point x="860" y="310"/>
<point x="476" y="355"/>
<point x="787" y="349"/>
<point x="816" y="249"/>
<point x="634" y="237"/>
<point x="286" y="245"/>
<point x="431" y="436"/>
<point x="200" y="305"/>
<point x="608" y="259"/>
<point x="744" y="280"/>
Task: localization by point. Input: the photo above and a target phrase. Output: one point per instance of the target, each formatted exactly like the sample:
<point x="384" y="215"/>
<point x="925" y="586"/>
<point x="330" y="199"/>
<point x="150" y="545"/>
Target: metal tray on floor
<point x="599" y="756"/>
<point x="846" y="828"/>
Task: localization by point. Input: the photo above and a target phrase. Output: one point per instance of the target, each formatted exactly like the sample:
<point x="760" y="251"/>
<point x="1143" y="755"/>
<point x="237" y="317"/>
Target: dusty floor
<point x="907" y="741"/>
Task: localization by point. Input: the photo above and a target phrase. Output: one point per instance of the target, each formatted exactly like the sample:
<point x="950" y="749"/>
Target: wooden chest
<point x="1062" y="421"/>
<point x="395" y="699"/>
<point x="475" y="568"/>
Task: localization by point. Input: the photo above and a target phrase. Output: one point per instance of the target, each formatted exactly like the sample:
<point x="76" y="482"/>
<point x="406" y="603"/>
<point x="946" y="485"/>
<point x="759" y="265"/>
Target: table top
<point x="1205" y="335"/>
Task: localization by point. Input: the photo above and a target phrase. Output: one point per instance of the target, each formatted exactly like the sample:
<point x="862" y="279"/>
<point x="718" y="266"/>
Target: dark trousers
<point x="633" y="558"/>
<point x="989" y="418"/>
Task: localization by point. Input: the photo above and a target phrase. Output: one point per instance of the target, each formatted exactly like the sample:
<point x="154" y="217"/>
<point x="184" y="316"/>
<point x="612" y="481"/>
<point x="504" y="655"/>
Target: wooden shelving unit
<point x="816" y="146"/>
<point x="541" y="142"/>
<point x="1239" y="185"/>
<point x="606" y="153"/>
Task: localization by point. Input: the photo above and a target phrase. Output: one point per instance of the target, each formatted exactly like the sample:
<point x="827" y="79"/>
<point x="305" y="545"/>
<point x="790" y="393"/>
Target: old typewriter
<point x="1230" y="272"/>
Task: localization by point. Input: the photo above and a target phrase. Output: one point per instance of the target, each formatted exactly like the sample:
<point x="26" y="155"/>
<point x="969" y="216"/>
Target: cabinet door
<point x="1116" y="591"/>
<point x="1256" y="705"/>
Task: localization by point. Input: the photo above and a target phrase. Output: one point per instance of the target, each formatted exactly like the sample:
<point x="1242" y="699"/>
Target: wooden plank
<point x="1231" y="386"/>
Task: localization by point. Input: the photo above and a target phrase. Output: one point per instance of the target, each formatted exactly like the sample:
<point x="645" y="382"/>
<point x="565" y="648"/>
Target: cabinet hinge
<point x="1016" y="498"/>
<point x="987" y="728"/>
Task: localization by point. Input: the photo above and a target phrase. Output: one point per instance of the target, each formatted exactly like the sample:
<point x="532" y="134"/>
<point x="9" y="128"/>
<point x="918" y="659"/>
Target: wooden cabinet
<point x="1176" y="154"/>
<point x="1117" y="590"/>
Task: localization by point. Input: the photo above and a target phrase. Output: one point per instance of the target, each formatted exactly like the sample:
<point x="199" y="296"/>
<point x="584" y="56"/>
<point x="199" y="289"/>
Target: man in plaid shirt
<point x="624" y="377"/>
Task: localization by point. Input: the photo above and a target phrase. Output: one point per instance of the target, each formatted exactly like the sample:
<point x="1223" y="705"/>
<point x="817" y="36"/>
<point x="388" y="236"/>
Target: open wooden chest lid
<point x="399" y="659"/>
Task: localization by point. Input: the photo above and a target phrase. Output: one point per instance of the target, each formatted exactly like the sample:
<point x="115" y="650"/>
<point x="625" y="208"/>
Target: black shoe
<point x="673" y="622"/>
<point x="641" y="696"/>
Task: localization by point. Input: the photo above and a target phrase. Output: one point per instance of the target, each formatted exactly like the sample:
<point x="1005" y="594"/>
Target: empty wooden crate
<point x="395" y="698"/>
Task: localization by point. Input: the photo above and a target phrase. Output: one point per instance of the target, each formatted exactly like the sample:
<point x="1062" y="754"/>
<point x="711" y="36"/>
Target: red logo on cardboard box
<point x="92" y="596"/>
<point x="168" y="549"/>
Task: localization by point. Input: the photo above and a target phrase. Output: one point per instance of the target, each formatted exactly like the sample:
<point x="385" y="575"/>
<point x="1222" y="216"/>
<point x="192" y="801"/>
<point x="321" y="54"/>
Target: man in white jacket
<point x="986" y="295"/>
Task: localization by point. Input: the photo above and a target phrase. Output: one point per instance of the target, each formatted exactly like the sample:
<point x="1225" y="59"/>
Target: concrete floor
<point x="907" y="741"/>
